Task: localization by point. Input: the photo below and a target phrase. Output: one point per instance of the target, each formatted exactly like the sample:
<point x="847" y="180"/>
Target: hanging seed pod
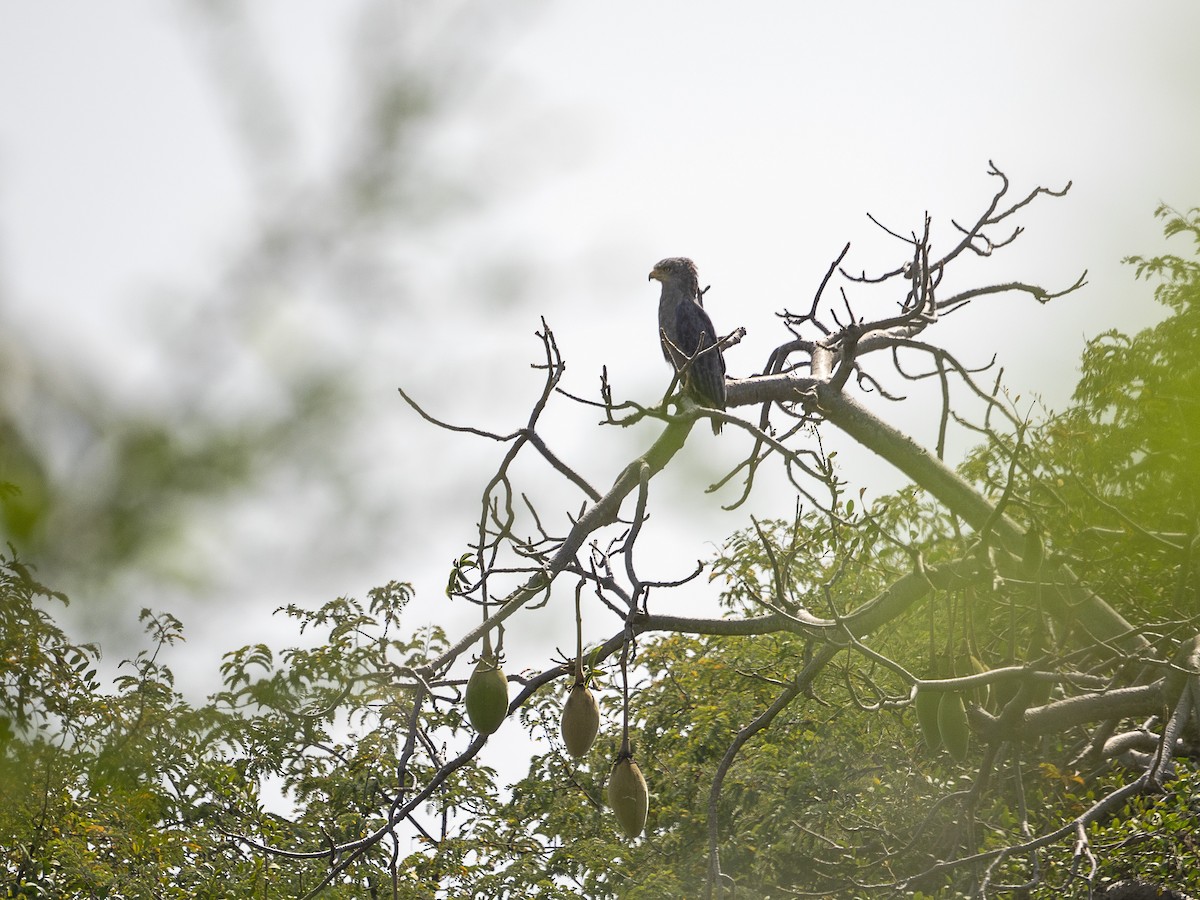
<point x="580" y="720"/>
<point x="628" y="796"/>
<point x="927" y="701"/>
<point x="1040" y="693"/>
<point x="487" y="695"/>
<point x="982" y="694"/>
<point x="1034" y="551"/>
<point x="952" y="725"/>
<point x="927" y="717"/>
<point x="1003" y="693"/>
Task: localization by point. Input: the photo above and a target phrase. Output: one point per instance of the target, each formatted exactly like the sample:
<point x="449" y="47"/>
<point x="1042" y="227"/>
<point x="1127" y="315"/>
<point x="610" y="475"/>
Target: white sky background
<point x="606" y="137"/>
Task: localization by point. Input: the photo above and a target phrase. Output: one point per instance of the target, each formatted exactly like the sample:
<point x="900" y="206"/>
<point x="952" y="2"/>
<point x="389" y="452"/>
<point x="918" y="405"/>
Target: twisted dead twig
<point x="1040" y="294"/>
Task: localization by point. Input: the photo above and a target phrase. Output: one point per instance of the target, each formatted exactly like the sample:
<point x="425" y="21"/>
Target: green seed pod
<point x="628" y="796"/>
<point x="983" y="693"/>
<point x="1003" y="693"/>
<point x="1034" y="550"/>
<point x="927" y="717"/>
<point x="1040" y="693"/>
<point x="952" y="725"/>
<point x="580" y="720"/>
<point x="487" y="696"/>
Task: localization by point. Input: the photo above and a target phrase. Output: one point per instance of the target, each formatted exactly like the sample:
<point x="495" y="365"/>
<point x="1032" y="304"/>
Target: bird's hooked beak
<point x="655" y="274"/>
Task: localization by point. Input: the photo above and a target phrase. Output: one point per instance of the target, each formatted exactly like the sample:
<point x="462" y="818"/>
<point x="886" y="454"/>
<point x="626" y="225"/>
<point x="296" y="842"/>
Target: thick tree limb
<point x="598" y="515"/>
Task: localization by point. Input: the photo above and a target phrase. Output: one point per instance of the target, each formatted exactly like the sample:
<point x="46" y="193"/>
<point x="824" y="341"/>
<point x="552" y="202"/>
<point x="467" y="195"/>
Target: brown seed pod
<point x="487" y="696"/>
<point x="580" y="720"/>
<point x="952" y="725"/>
<point x="628" y="796"/>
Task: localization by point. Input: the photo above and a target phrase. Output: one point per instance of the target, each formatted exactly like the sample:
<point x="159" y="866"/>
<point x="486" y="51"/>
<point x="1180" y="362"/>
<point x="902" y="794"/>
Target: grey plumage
<point x="687" y="334"/>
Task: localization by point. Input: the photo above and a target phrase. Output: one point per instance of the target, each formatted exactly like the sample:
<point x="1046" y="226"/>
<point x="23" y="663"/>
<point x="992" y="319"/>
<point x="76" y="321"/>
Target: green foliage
<point x="323" y="723"/>
<point x="93" y="797"/>
<point x="1145" y="390"/>
<point x="134" y="793"/>
<point x="790" y="801"/>
<point x="1154" y="838"/>
<point x="1151" y="838"/>
<point x="1117" y="471"/>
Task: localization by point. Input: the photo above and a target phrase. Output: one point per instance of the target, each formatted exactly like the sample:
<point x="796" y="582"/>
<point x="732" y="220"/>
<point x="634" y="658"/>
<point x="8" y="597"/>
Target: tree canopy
<point x="985" y="683"/>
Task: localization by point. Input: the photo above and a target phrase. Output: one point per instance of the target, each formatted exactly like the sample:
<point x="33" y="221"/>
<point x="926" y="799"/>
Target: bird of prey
<point x="689" y="340"/>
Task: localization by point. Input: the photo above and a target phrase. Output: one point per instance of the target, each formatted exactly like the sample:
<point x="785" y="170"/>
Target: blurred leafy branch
<point x="253" y="396"/>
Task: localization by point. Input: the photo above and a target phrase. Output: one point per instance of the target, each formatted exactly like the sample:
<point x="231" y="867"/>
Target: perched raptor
<point x="689" y="340"/>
